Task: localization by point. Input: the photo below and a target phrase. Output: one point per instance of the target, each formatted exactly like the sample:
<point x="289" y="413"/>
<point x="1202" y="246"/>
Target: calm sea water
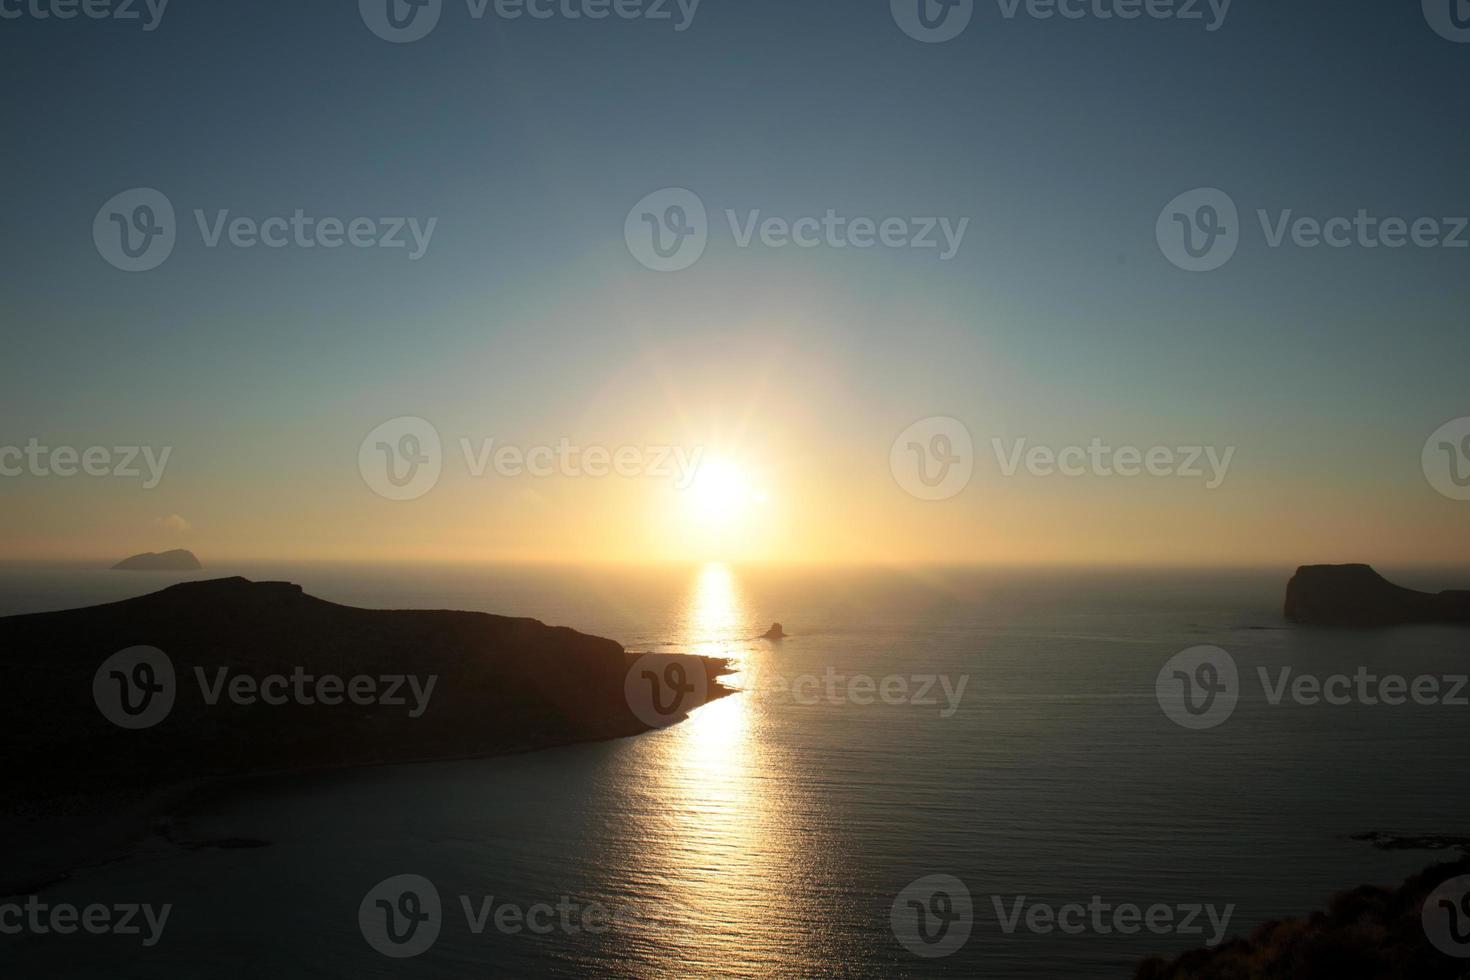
<point x="767" y="837"/>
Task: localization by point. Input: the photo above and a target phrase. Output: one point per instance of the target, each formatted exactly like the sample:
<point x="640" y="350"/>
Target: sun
<point x="722" y="494"/>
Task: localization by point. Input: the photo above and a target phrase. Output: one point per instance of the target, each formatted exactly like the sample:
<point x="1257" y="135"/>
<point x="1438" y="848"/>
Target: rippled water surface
<point x="770" y="833"/>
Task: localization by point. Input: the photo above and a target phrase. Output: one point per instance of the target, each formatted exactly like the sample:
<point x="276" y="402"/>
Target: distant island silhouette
<point x="774" y="633"/>
<point x="178" y="560"/>
<point x="1357" y="596"/>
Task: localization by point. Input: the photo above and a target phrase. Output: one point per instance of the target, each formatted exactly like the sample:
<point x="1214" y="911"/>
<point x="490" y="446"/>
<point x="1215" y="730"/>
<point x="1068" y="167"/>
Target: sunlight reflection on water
<point x="723" y="849"/>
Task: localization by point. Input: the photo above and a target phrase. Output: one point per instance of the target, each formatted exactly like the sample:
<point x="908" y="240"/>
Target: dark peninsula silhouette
<point x="1357" y="596"/>
<point x="177" y="560"/>
<point x="502" y="685"/>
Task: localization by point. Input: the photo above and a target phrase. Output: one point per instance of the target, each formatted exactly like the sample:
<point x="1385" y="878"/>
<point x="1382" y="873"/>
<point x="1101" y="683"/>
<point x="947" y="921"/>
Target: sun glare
<point x="722" y="493"/>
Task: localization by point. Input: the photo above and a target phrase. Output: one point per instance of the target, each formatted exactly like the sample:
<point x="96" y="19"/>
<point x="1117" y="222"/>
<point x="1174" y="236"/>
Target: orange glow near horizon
<point x="783" y="461"/>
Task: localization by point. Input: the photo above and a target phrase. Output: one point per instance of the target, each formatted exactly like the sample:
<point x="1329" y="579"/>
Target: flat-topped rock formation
<point x="247" y="681"/>
<point x="1356" y="595"/>
<point x="178" y="560"/>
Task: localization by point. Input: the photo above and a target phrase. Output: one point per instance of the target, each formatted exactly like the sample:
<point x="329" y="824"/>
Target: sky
<point x="808" y="380"/>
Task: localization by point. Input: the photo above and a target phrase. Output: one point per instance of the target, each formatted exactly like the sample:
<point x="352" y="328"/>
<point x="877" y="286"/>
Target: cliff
<point x="1369" y="933"/>
<point x="1356" y="595"/>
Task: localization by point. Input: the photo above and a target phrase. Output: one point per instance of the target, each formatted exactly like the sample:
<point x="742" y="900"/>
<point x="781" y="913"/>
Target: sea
<point x="989" y="750"/>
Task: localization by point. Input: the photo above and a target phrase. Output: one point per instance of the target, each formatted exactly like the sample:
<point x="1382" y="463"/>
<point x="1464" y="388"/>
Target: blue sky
<point x="530" y="140"/>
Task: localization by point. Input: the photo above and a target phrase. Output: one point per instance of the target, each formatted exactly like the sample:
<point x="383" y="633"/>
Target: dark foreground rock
<point x="177" y="560"/>
<point x="499" y="685"/>
<point x="1368" y="933"/>
<point x="1356" y="595"/>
